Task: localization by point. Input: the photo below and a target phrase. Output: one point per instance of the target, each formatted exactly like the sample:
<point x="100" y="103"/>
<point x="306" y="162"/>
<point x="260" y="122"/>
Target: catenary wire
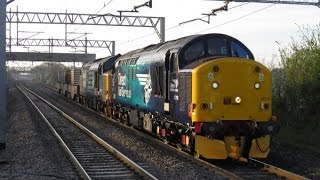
<point x="236" y="19"/>
<point x="204" y="29"/>
<point x="94" y="14"/>
<point x="173" y="27"/>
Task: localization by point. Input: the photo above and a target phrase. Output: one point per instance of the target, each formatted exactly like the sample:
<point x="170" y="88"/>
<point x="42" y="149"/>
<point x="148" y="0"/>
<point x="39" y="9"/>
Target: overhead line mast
<point x="3" y="74"/>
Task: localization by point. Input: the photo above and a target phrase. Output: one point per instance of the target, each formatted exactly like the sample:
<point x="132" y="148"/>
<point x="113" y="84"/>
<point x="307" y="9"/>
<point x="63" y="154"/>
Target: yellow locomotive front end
<point x="231" y="108"/>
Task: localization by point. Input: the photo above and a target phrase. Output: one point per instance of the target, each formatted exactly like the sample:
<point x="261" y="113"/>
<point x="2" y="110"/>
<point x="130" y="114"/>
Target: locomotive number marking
<point x="174" y="85"/>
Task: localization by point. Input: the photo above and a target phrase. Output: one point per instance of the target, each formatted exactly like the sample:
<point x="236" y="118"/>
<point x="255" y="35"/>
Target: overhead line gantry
<point x="158" y="23"/>
<point x="53" y="42"/>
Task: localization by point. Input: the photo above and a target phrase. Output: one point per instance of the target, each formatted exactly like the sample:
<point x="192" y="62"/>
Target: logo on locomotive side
<point x="123" y="91"/>
<point x="145" y="80"/>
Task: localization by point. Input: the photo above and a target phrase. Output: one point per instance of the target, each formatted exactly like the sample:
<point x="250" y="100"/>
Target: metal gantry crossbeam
<point x="81" y="19"/>
<point x="19" y="69"/>
<point x="87" y="19"/>
<point x="295" y="2"/>
<point x="110" y="45"/>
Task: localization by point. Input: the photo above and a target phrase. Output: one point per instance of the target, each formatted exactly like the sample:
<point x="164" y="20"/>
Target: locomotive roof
<point x="94" y="65"/>
<point x="160" y="49"/>
<point x="173" y="44"/>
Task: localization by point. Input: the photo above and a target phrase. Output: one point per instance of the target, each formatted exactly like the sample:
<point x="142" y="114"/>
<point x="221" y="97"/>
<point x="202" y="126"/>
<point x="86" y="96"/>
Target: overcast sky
<point x="259" y="30"/>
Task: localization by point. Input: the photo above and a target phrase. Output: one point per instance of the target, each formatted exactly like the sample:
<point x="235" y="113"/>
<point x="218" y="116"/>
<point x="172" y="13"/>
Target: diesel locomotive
<point x="203" y="93"/>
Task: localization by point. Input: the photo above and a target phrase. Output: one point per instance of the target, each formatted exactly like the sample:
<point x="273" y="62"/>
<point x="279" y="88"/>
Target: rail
<point x="278" y="171"/>
<point x="107" y="146"/>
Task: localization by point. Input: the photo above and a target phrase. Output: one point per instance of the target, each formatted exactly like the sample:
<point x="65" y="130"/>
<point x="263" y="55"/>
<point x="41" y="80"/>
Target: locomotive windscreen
<point x="213" y="46"/>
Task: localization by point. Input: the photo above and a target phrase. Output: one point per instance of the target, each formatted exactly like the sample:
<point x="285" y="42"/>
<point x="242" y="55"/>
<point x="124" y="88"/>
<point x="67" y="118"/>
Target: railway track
<point x="92" y="157"/>
<point x="276" y="170"/>
<point x="207" y="166"/>
<point x="254" y="170"/>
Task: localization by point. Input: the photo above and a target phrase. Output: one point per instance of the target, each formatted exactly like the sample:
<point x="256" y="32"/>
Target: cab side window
<point x="195" y="51"/>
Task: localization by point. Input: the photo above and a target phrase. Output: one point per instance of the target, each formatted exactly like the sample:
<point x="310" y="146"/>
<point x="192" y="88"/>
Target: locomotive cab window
<point x="217" y="47"/>
<point x="238" y="51"/>
<point x="195" y="51"/>
<point x="214" y="46"/>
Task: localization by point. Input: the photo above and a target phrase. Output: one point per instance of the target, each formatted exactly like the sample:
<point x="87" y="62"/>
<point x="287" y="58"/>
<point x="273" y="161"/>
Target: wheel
<point x="126" y="119"/>
<point x="165" y="141"/>
<point x="96" y="106"/>
<point x="113" y="114"/>
<point x="104" y="111"/>
<point x="196" y="155"/>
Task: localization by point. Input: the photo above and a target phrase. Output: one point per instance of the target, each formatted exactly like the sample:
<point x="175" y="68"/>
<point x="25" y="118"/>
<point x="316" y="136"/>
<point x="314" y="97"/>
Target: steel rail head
<point x="280" y="172"/>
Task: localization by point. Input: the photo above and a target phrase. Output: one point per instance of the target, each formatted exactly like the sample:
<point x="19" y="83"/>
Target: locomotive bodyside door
<point x="172" y="68"/>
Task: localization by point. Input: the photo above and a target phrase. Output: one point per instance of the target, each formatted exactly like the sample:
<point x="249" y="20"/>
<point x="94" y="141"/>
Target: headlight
<point x="215" y="85"/>
<point x="257" y="85"/>
<point x="237" y="100"/>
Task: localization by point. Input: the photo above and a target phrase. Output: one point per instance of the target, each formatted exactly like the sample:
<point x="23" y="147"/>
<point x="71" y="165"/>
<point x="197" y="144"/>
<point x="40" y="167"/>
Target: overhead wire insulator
<point x="213" y="13"/>
<point x="135" y="8"/>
